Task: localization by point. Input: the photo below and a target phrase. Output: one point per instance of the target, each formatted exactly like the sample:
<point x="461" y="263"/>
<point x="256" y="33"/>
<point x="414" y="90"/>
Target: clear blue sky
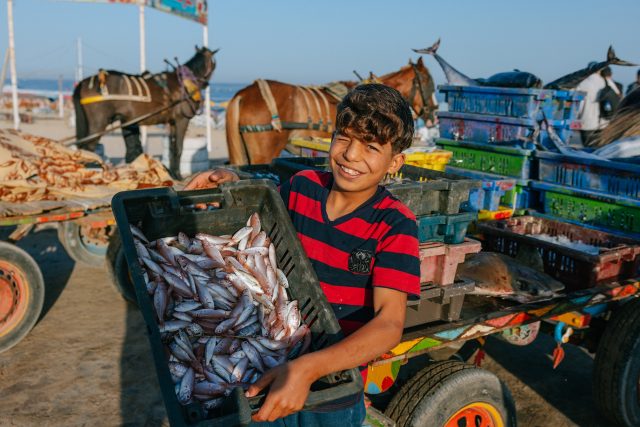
<point x="315" y="42"/>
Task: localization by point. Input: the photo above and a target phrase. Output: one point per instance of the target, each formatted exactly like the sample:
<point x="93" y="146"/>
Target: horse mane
<point x="197" y="62"/>
<point x="395" y="73"/>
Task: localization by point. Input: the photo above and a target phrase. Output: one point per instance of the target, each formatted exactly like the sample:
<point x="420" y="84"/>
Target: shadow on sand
<point x="45" y="248"/>
<point x="567" y="388"/>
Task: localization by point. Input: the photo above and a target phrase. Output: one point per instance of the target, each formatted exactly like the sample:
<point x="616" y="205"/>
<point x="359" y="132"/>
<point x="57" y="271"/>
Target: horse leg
<point x="176" y="138"/>
<point x="131" y="136"/>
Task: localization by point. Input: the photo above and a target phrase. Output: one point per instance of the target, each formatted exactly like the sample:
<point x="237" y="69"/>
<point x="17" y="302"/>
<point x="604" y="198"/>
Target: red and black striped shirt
<point x="375" y="245"/>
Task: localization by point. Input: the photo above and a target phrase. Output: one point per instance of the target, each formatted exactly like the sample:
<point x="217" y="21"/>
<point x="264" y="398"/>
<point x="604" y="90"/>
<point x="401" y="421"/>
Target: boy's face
<point x="360" y="165"/>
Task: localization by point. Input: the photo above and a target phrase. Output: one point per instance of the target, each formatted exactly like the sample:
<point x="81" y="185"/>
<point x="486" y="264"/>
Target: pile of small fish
<point x="223" y="310"/>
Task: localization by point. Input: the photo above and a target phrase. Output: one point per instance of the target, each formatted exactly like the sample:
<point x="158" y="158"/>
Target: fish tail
<point x="430" y="50"/>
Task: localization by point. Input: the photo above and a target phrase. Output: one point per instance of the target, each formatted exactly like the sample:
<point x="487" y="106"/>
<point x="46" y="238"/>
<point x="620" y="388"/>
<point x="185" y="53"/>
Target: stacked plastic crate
<point x="600" y="193"/>
<point x="441" y="203"/>
<point x="491" y="131"/>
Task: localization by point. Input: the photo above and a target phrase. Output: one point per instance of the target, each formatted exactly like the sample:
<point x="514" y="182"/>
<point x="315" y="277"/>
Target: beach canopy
<point x="196" y="10"/>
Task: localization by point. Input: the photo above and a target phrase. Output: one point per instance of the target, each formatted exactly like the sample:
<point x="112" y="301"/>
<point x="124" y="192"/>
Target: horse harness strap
<point x="140" y="93"/>
<point x="284" y="126"/>
<point x="276" y="124"/>
<point x="265" y="91"/>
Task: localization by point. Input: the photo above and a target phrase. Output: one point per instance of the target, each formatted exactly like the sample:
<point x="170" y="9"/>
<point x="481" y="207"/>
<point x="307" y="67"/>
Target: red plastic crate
<point x="439" y="261"/>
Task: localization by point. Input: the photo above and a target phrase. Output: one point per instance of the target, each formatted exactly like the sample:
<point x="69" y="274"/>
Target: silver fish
<point x="239" y="369"/>
<point x="186" y="386"/>
<point x="207" y="388"/>
<point x="253" y="356"/>
<point x="173" y="325"/>
<point x="138" y="233"/>
<point x="241" y="234"/>
<point x="160" y="301"/>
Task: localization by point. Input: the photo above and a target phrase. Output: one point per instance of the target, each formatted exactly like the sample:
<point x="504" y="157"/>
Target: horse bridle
<point x="419" y="87"/>
<point x="202" y="82"/>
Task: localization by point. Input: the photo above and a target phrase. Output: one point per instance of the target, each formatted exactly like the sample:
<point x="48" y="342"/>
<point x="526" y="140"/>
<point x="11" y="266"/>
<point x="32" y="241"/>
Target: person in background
<point x="592" y="107"/>
<point x="633" y="86"/>
<point x="589" y="113"/>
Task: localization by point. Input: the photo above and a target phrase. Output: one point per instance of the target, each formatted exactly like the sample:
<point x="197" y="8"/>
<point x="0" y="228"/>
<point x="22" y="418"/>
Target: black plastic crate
<point x="441" y="192"/>
<point x="438" y="303"/>
<point x="162" y="212"/>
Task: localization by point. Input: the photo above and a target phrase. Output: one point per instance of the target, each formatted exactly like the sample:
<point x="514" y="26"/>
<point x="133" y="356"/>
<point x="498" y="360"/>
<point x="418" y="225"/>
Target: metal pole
<point x="79" y="76"/>
<point x="143" y="67"/>
<point x="60" y="99"/>
<point x="3" y="74"/>
<point x="207" y="95"/>
<point x="12" y="66"/>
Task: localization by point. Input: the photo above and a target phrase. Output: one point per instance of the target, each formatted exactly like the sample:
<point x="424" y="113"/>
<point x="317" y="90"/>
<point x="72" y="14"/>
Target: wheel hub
<point x="13" y="296"/>
<point x="478" y="414"/>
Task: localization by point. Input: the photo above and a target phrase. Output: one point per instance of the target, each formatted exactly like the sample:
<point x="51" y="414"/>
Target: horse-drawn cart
<point x="426" y="380"/>
<point x="84" y="227"/>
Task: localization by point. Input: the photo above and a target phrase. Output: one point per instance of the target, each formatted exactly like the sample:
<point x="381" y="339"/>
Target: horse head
<point x="202" y="64"/>
<point x="416" y="85"/>
<point x="422" y="95"/>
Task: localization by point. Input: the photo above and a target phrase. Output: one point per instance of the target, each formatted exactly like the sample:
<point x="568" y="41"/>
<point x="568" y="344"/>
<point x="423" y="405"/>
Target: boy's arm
<point x="290" y="382"/>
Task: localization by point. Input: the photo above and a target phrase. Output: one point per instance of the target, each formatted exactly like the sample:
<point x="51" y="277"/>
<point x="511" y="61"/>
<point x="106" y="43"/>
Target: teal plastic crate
<point x="444" y="228"/>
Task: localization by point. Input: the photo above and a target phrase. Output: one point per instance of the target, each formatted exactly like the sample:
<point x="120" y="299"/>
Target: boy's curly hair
<point x="375" y="112"/>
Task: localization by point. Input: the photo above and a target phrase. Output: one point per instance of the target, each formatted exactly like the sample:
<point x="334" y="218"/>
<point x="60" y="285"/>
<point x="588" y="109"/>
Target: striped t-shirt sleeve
<point x="397" y="264"/>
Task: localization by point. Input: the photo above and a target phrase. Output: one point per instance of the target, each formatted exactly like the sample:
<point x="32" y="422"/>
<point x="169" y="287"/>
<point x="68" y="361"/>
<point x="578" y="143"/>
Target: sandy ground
<point x="87" y="361"/>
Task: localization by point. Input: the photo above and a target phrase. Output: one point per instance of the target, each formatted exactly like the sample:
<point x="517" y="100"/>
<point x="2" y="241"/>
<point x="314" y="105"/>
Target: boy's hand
<point x="289" y="389"/>
<point x="211" y="179"/>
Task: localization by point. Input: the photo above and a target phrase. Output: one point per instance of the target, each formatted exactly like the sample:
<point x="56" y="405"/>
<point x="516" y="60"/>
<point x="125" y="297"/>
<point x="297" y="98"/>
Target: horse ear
<point x="197" y="48"/>
<point x="420" y="61"/>
<point x="213" y="52"/>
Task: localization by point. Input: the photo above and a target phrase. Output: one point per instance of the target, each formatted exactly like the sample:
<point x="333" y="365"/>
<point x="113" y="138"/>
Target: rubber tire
<point x="35" y="282"/>
<point x="119" y="269"/>
<point x="616" y="369"/>
<point x="438" y="391"/>
<point x="69" y="236"/>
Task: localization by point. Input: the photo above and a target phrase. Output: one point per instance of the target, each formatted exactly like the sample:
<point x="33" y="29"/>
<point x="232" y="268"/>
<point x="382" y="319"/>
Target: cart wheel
<point x="21" y="294"/>
<point x="83" y="248"/>
<point x="616" y="370"/>
<point x="119" y="269"/>
<point x="453" y="394"/>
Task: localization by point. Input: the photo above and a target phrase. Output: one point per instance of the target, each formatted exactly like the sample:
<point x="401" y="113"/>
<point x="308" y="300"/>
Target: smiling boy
<point x="362" y="243"/>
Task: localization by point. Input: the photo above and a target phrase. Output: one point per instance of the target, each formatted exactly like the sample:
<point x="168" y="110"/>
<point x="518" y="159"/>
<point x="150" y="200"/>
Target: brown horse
<point x="264" y="115"/>
<point x="171" y="97"/>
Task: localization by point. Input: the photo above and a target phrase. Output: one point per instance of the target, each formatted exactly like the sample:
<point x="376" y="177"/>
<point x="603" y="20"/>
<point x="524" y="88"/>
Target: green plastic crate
<point x="507" y="161"/>
<point x="588" y="207"/>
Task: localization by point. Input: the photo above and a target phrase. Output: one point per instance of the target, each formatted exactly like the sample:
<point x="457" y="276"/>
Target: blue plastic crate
<point x="497" y="129"/>
<point x="493" y="191"/>
<point x="513" y="102"/>
<point x="614" y="178"/>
